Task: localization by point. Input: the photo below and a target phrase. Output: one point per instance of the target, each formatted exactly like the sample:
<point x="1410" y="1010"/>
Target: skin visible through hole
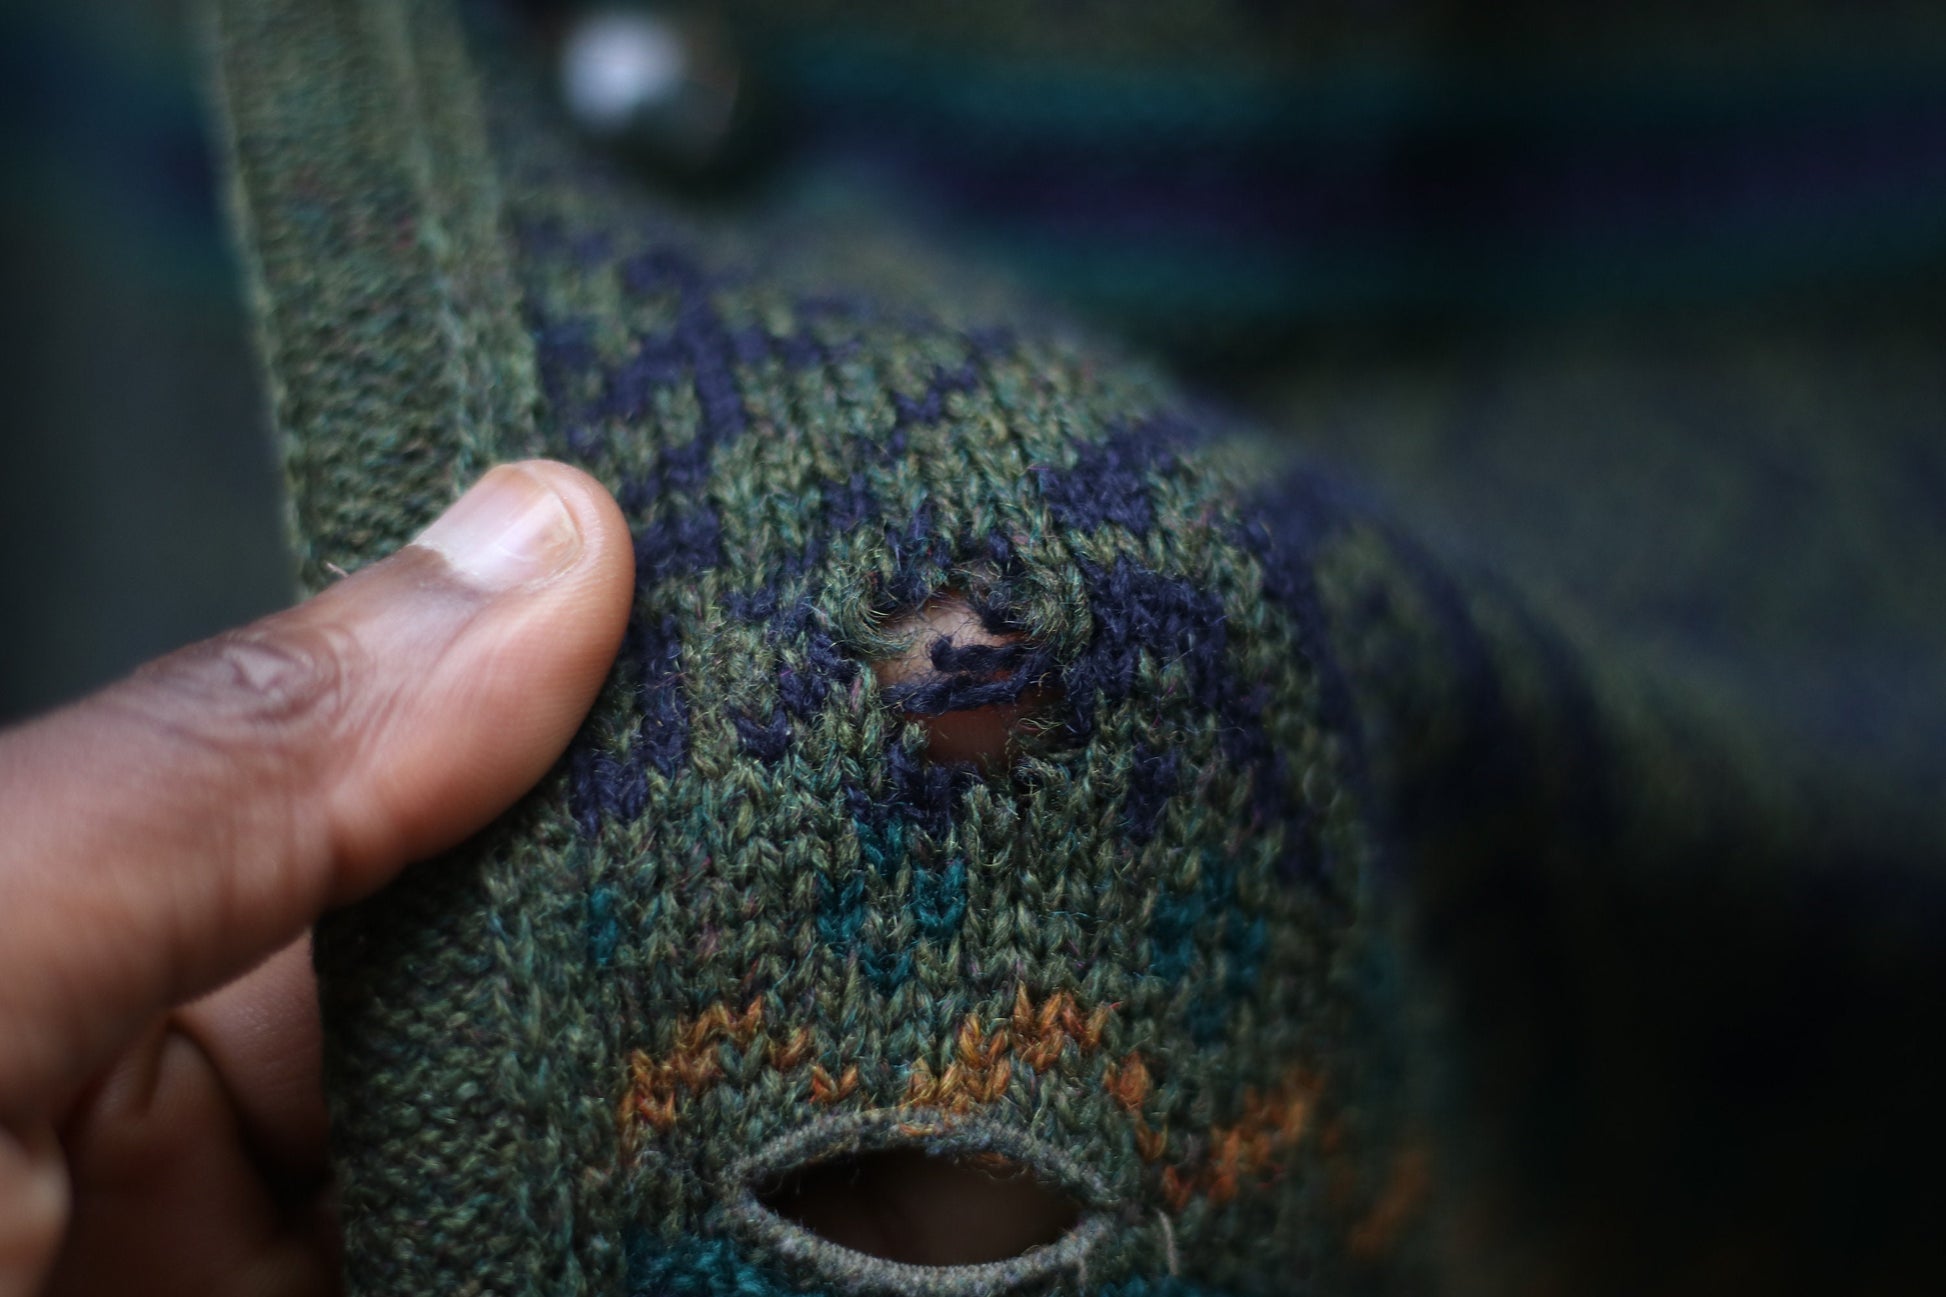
<point x="904" y="1206"/>
<point x="977" y="736"/>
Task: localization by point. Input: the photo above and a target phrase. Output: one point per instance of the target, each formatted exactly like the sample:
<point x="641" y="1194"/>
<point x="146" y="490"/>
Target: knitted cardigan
<point x="1244" y="947"/>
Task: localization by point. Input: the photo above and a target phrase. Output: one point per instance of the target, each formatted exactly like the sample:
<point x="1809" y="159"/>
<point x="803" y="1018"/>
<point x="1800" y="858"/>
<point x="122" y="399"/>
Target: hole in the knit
<point x="949" y="652"/>
<point x="906" y="1206"/>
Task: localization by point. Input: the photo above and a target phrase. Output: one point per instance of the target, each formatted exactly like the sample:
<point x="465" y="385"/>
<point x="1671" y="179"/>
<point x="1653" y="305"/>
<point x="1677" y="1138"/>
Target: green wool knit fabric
<point x="1218" y="952"/>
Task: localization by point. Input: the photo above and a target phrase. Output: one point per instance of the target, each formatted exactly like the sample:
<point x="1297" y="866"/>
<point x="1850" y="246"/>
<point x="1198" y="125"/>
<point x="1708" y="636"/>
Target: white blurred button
<point x="665" y="85"/>
<point x="615" y="65"/>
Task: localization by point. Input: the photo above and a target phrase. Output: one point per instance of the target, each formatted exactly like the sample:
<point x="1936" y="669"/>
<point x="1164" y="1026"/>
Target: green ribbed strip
<point x="370" y="224"/>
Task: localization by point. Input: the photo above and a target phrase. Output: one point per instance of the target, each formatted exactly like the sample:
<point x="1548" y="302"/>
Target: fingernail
<point x="510" y="530"/>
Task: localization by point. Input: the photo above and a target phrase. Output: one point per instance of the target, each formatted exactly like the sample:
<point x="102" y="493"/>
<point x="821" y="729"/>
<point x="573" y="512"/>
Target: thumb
<point x="163" y="835"/>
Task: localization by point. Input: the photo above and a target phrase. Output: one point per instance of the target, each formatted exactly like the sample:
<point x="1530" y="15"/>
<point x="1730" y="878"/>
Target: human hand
<point x="166" y="843"/>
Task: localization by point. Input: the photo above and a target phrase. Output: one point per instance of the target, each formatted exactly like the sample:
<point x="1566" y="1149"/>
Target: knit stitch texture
<point x="1157" y="956"/>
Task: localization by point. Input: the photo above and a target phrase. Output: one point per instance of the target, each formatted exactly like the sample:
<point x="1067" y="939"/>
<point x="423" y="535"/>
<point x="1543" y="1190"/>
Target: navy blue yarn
<point x="848" y="504"/>
<point x="826" y="667"/>
<point x="930" y="405"/>
<point x="1109" y="483"/>
<point x="963" y="677"/>
<point x="804" y="691"/>
<point x="564" y="354"/>
<point x="801" y="689"/>
<point x="1110" y="479"/>
<point x="1500" y="768"/>
<point x="1503" y="766"/>
<point x="687" y="538"/>
<point x="604" y="787"/>
<point x="679" y="541"/>
<point x="999" y="548"/>
<point x="1142" y="614"/>
<point x="1283" y="528"/>
<point x="664" y="734"/>
<point x="959" y="690"/>
<point x="919" y="555"/>
<point x="922" y="791"/>
<point x="768" y="739"/>
<point x="699" y="348"/>
<point x="699" y="340"/>
<point x="682" y="534"/>
<point x="948" y="656"/>
<point x="679" y="544"/>
<point x="1499" y="764"/>
<point x="595" y="785"/>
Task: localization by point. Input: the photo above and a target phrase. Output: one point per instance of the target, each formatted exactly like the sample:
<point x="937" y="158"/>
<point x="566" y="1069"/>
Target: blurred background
<point x="138" y="489"/>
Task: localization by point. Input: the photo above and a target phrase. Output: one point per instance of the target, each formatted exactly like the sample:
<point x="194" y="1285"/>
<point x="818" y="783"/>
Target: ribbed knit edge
<point x="368" y="214"/>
